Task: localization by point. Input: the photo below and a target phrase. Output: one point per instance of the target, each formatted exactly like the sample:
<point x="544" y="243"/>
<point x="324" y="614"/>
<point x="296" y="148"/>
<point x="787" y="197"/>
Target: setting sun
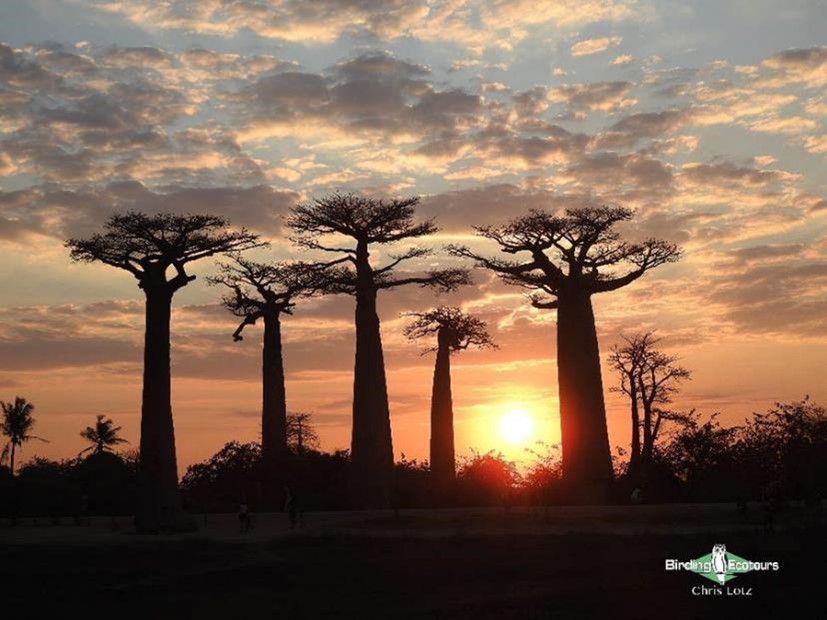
<point x="516" y="426"/>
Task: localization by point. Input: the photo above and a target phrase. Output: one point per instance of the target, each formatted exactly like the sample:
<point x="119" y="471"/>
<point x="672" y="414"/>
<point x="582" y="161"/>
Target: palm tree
<point x="103" y="436"/>
<point x="17" y="425"/>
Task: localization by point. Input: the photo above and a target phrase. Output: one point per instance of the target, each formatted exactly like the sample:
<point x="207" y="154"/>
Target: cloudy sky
<point x="707" y="117"/>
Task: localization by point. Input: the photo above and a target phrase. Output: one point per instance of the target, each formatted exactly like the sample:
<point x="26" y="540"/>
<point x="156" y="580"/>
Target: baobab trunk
<point x="371" y="445"/>
<point x="160" y="505"/>
<point x="587" y="463"/>
<point x="442" y="424"/>
<point x="274" y="403"/>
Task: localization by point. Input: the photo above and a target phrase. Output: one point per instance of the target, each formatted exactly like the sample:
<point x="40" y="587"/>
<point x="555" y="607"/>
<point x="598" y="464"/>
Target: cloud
<point x="724" y="173"/>
<point x="805" y="67"/>
<point x="374" y="94"/>
<point x="784" y="124"/>
<point x="588" y="47"/>
<point x="816" y="144"/>
<point x="63" y="213"/>
<point x="782" y="294"/>
<point x="604" y="96"/>
<point x="474" y="26"/>
<point x="112" y="113"/>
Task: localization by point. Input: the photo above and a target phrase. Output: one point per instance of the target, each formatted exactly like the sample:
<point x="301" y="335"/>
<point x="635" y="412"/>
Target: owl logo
<point x="719" y="562"/>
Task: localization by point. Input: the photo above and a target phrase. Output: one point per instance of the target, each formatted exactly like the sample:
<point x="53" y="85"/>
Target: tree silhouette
<point x="366" y="222"/>
<point x="455" y="331"/>
<point x="148" y="246"/>
<point x="571" y="258"/>
<point x="18" y="422"/>
<point x="103" y="436"/>
<point x="301" y="435"/>
<point x="266" y="291"/>
<point x="650" y="379"/>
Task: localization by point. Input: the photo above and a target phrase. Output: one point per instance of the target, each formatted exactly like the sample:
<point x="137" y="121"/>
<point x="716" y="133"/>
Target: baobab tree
<point x="570" y="258"/>
<point x="17" y="424"/>
<point x="455" y="331"/>
<point x="103" y="436"/>
<point x="266" y="291"/>
<point x="148" y="247"/>
<point x="365" y="223"/>
<point x="650" y="378"/>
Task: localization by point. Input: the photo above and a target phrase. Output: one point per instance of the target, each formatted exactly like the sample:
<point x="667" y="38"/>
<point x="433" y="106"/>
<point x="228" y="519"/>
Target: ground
<point x="567" y="562"/>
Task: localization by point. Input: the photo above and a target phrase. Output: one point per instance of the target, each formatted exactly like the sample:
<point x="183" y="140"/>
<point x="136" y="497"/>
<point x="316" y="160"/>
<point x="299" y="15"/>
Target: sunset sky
<point x="708" y="117"/>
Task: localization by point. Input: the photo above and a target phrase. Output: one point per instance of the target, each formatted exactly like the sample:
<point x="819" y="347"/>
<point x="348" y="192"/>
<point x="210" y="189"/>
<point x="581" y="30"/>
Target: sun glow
<point x="516" y="426"/>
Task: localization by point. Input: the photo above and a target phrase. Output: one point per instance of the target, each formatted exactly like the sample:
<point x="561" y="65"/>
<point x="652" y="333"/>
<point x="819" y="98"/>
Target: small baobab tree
<point x="455" y="331"/>
<point x="650" y="379"/>
<point x="103" y="437"/>
<point x="570" y="258"/>
<point x="267" y="291"/>
<point x="18" y="422"/>
<point x="149" y="247"/>
<point x="365" y="223"/>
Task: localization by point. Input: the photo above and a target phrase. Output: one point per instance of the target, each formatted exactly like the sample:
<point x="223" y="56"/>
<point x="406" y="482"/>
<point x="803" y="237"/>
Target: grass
<point x="425" y="564"/>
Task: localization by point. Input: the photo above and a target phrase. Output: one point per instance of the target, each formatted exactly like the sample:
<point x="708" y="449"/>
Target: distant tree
<point x="543" y="477"/>
<point x="786" y="447"/>
<point x="148" y="246"/>
<point x="570" y="259"/>
<point x="301" y="436"/>
<point x="103" y="436"/>
<point x="221" y="481"/>
<point x="650" y="378"/>
<point x="486" y="479"/>
<point x="412" y="484"/>
<point x="455" y="331"/>
<point x="266" y="292"/>
<point x="704" y="457"/>
<point x="18" y="422"/>
<point x="364" y="223"/>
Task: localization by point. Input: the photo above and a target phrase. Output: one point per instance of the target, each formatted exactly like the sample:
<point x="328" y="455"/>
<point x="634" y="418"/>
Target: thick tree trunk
<point x="11" y="460"/>
<point x="371" y="445"/>
<point x="442" y="425"/>
<point x="159" y="503"/>
<point x="274" y="402"/>
<point x="587" y="463"/>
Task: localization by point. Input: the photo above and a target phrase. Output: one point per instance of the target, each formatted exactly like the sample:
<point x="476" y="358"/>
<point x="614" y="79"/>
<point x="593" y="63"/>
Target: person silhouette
<point x="244" y="517"/>
<point x="291" y="506"/>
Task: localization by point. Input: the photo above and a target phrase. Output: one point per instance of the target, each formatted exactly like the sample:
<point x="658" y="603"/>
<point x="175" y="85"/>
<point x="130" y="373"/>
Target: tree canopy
<point x="103" y="436"/>
<point x="257" y="288"/>
<point x="460" y="330"/>
<point x="146" y="245"/>
<point x="581" y="247"/>
<point x="368" y="221"/>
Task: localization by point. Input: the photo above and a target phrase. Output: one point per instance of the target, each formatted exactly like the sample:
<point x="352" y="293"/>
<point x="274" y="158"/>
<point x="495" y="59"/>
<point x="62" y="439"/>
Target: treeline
<point x="780" y="454"/>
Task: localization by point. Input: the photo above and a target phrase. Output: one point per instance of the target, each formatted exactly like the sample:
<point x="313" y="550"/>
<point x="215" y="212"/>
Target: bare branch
<point x="443" y="280"/>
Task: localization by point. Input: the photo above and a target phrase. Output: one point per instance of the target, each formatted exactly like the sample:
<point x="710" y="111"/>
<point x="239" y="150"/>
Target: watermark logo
<point x="720" y="566"/>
